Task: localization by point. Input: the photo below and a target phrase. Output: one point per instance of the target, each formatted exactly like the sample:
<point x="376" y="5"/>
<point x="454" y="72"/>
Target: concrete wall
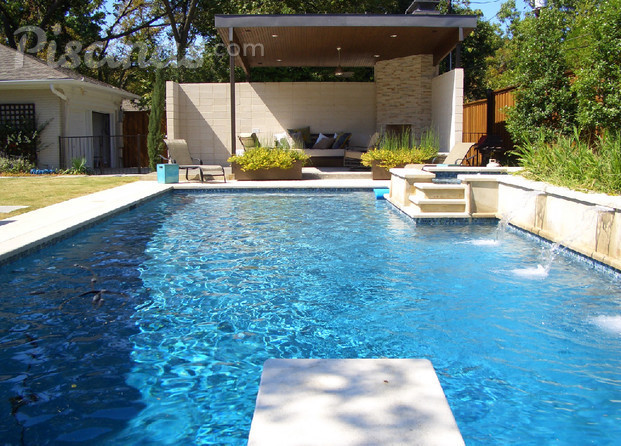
<point x="404" y="92"/>
<point x="447" y="95"/>
<point x="200" y="114"/>
<point x="586" y="223"/>
<point x="47" y="109"/>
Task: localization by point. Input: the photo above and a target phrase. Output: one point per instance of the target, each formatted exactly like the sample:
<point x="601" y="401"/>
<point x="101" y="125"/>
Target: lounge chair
<point x="353" y="155"/>
<point x="178" y="153"/>
<point x="249" y="140"/>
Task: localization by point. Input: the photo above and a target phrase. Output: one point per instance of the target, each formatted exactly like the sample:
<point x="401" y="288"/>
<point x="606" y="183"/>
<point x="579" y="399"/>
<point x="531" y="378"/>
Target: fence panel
<point x="503" y="99"/>
<point x="137" y="123"/>
<point x="475" y="120"/>
<point x="475" y="117"/>
<point x="95" y="149"/>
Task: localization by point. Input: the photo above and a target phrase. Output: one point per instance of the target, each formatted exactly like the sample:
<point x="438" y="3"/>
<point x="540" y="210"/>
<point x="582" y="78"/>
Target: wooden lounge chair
<point x="178" y="153"/>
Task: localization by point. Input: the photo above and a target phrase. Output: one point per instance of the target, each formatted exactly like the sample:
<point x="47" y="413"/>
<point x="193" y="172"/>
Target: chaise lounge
<point x="178" y="153"/>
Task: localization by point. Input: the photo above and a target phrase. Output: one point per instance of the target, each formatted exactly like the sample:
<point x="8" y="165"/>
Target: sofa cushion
<point x="341" y="140"/>
<point x="324" y="143"/>
<point x="304" y="131"/>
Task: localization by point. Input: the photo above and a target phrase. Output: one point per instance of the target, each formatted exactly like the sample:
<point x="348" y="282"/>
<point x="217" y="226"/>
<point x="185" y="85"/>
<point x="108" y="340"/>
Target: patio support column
<point x="458" y="49"/>
<point x="232" y="52"/>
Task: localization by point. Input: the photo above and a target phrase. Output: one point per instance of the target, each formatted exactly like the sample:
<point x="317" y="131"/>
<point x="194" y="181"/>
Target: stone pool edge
<point x="26" y="233"/>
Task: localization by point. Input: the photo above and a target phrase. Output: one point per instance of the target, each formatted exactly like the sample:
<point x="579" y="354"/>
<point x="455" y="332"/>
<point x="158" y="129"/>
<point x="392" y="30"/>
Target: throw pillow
<point x="341" y="140"/>
<point x="304" y="131"/>
<point x="298" y="141"/>
<point x="324" y="143"/>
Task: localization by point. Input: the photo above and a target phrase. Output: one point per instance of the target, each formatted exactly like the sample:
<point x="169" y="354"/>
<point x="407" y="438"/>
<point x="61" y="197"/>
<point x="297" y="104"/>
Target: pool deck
<point x="351" y="402"/>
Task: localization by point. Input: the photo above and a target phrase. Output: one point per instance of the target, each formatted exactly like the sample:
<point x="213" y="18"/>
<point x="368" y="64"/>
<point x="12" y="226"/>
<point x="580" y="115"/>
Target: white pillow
<point x="320" y="137"/>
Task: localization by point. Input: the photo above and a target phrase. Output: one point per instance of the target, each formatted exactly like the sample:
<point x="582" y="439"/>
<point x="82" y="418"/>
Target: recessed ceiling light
<point x="278" y="60"/>
<point x="393" y="35"/>
<point x="376" y="55"/>
<point x="274" y="35"/>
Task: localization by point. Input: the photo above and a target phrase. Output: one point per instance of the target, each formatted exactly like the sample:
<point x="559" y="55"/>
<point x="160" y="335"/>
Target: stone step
<point x="415" y="214"/>
<point x="440" y="191"/>
<point x="437" y="201"/>
<point x="327" y="173"/>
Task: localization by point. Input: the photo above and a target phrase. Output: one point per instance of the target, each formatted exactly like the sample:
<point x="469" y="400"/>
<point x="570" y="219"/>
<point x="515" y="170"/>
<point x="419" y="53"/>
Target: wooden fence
<point x="135" y="152"/>
<point x="477" y="121"/>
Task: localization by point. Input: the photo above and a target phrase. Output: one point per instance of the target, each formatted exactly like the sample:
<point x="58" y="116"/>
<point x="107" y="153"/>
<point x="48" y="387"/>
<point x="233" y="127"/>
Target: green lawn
<point x="40" y="191"/>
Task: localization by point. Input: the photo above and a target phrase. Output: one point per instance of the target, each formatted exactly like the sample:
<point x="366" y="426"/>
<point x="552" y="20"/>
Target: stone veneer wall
<point x="404" y="92"/>
<point x="199" y="113"/>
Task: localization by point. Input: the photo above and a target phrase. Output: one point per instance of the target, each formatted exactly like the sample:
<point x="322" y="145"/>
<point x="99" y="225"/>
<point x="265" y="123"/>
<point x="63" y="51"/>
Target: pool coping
<point x="26" y="233"/>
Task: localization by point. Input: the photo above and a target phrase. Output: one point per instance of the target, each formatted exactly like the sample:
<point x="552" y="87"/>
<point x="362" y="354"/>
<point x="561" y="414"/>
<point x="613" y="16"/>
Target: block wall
<point x="448" y="107"/>
<point x="200" y="114"/>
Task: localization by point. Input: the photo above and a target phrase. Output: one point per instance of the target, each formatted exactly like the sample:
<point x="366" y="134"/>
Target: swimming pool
<point x="202" y="288"/>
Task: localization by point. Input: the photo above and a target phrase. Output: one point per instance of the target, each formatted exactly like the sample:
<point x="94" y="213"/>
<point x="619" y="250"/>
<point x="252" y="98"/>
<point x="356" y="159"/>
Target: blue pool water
<point x="200" y="289"/>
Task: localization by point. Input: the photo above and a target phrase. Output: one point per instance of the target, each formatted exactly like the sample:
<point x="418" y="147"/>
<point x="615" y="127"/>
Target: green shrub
<point x="78" y="167"/>
<point x="571" y="162"/>
<point x="266" y="157"/>
<point x="396" y="150"/>
<point x="155" y="139"/>
<point x="389" y="158"/>
<point x="22" y="140"/>
<point x="10" y="164"/>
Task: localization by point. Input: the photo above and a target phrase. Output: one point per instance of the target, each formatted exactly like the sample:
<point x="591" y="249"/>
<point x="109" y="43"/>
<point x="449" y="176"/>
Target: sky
<point x="491" y="7"/>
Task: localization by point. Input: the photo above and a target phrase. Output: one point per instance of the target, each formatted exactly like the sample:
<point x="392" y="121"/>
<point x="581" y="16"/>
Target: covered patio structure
<point x="407" y="90"/>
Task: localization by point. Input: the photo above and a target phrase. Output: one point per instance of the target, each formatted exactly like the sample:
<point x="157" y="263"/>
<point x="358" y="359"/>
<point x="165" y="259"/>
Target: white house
<point x="81" y="113"/>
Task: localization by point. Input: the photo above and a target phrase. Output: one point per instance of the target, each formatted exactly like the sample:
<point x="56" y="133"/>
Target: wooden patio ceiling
<point x="311" y="40"/>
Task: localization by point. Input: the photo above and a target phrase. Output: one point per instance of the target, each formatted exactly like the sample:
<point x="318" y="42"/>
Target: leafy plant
<point x="571" y="162"/>
<point x="22" y="140"/>
<point x="544" y="99"/>
<point x="595" y="49"/>
<point x="78" y="167"/>
<point x="396" y="150"/>
<point x="15" y="165"/>
<point x="267" y="157"/>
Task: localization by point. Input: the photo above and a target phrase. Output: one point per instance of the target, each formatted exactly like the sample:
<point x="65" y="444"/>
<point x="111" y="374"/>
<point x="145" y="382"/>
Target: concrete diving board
<point x="347" y="402"/>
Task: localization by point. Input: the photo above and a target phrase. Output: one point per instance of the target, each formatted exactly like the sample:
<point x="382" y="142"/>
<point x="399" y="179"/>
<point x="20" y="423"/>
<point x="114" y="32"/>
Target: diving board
<point x="313" y="402"/>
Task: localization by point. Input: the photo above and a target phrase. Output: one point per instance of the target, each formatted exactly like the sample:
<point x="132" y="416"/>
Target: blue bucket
<point x="379" y="193"/>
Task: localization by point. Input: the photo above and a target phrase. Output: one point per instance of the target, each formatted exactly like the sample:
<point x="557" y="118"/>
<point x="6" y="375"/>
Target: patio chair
<point x="249" y="140"/>
<point x="353" y="155"/>
<point x="178" y="153"/>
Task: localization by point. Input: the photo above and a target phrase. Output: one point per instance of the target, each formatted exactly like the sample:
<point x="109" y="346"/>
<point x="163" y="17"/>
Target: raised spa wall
<point x="589" y="224"/>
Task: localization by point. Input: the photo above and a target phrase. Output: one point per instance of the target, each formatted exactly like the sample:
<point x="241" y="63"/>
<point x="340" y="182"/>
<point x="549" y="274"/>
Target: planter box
<point x="274" y="173"/>
<point x="380" y="173"/>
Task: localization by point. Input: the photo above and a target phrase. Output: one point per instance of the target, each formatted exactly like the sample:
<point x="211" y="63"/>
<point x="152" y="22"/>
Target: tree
<point x="476" y="50"/>
<point x="154" y="138"/>
<point x="544" y="100"/>
<point x="595" y="50"/>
